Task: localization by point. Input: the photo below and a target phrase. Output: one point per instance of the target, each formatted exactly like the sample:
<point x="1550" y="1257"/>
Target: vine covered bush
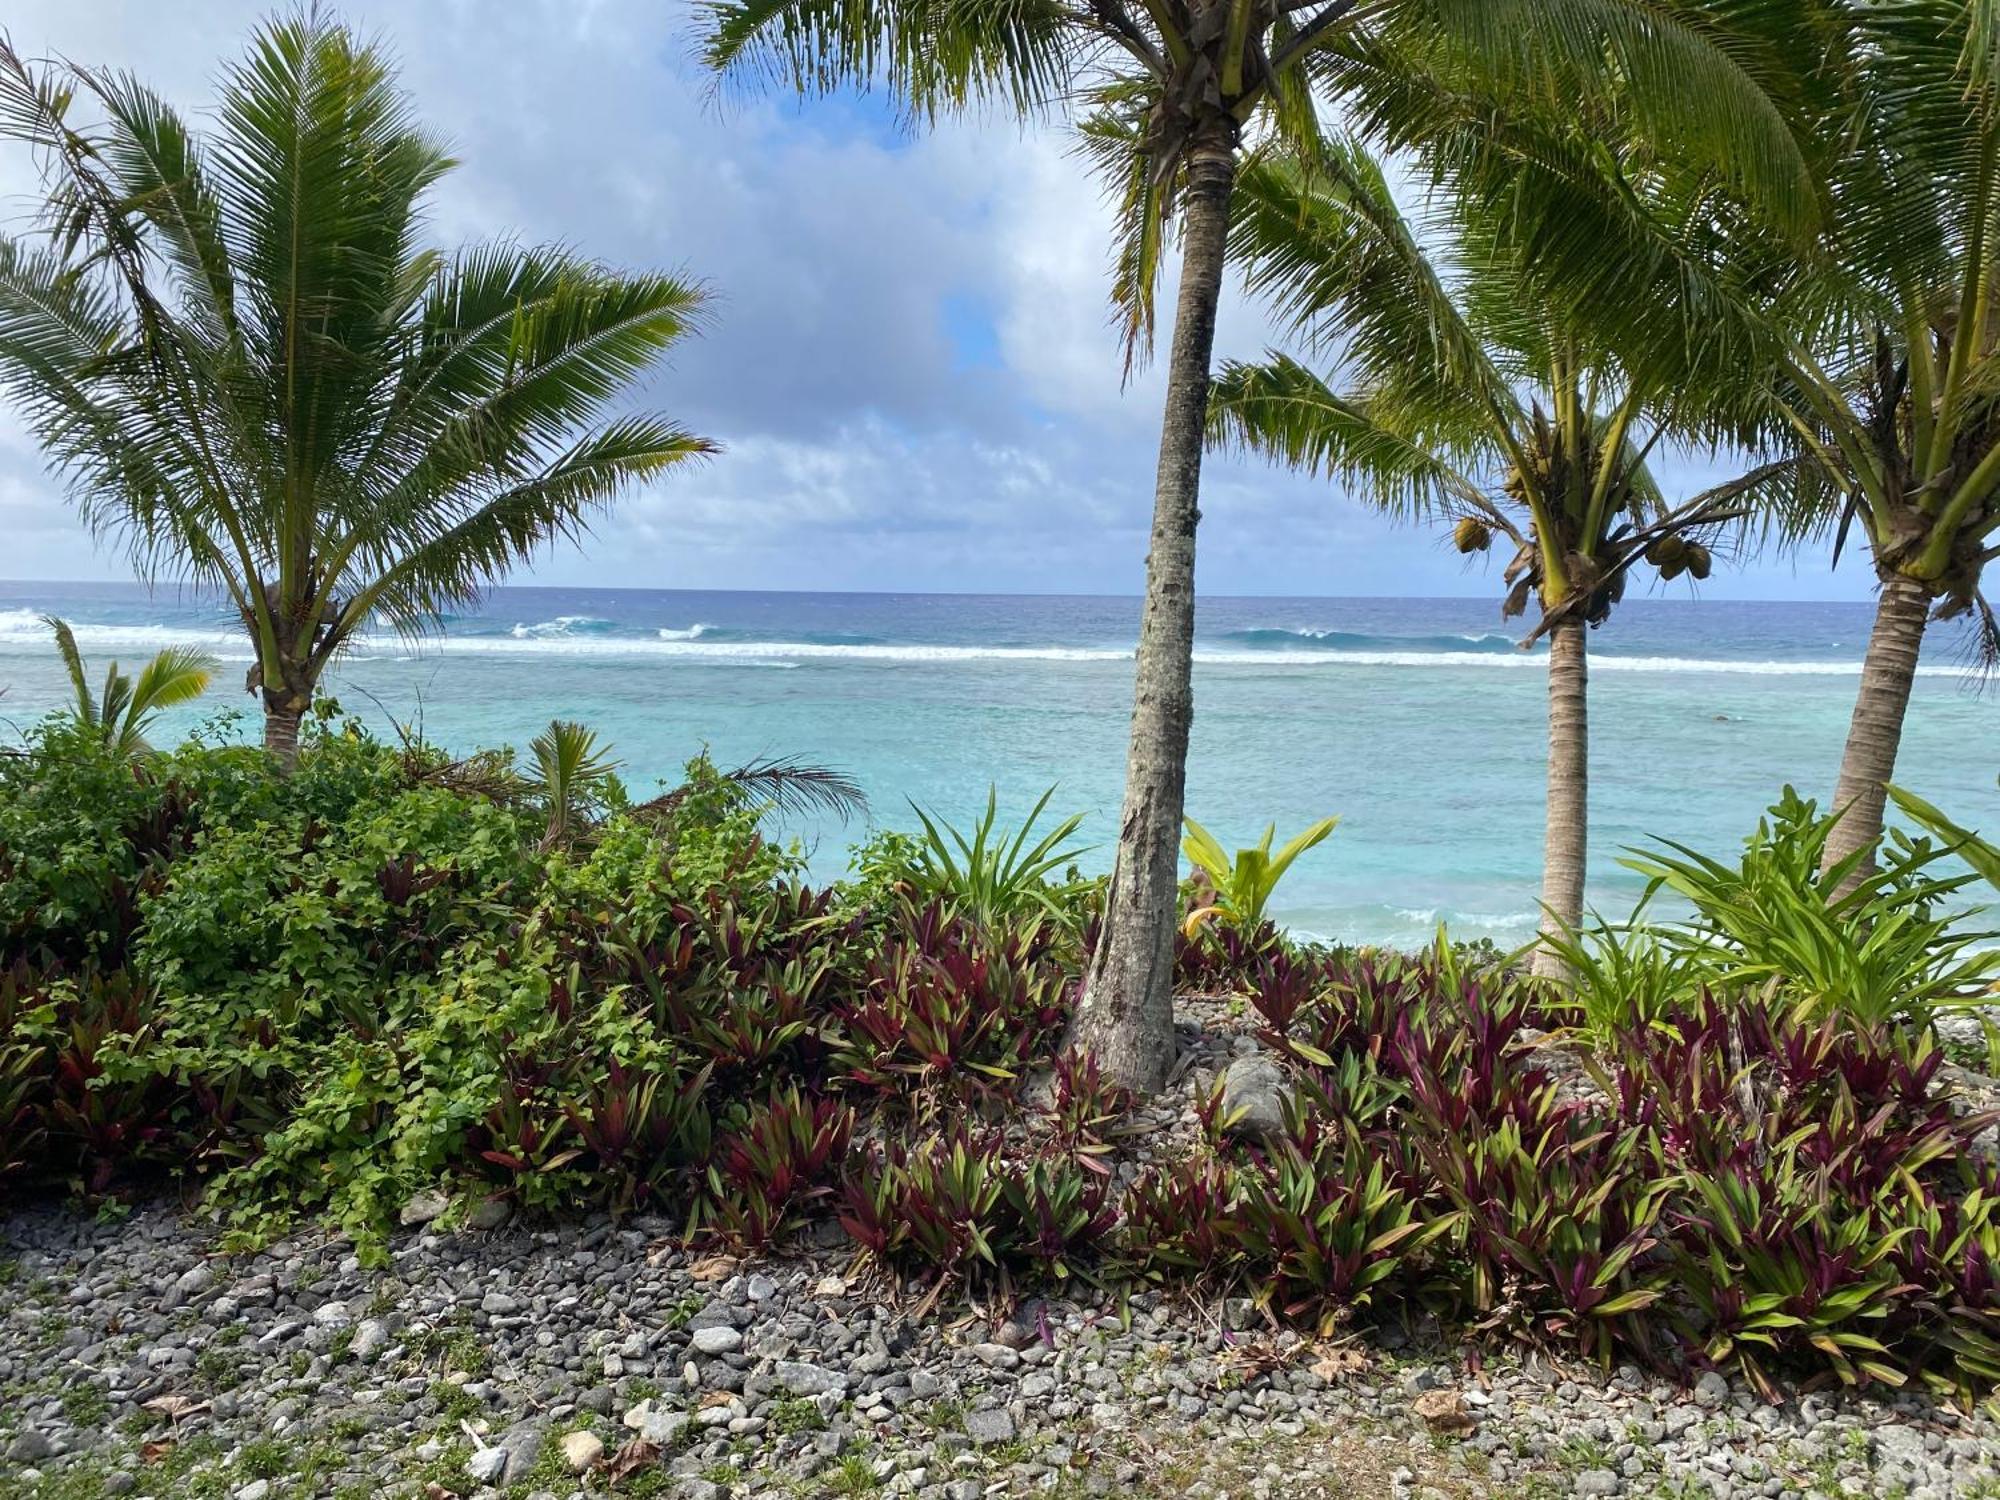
<point x="325" y="992"/>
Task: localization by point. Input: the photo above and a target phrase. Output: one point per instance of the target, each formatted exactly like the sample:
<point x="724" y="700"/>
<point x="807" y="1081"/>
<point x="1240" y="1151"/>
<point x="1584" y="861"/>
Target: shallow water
<point x="1418" y="721"/>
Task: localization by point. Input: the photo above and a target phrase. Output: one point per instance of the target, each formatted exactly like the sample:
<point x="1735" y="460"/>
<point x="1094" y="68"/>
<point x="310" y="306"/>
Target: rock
<point x="664" y="1429"/>
<point x="1254" y="1091"/>
<point x="1444" y="1411"/>
<point x="523" y="1446"/>
<point x="721" y="1339"/>
<point x="998" y="1356"/>
<point x="582" y="1450"/>
<point x="332" y="1315"/>
<point x="487" y="1465"/>
<point x="699" y="1489"/>
<point x="990" y="1427"/>
<point x="32" y="1444"/>
<point x="371" y="1337"/>
<point x="256" y="1489"/>
<point x="423" y="1208"/>
<point x="1711" y="1390"/>
<point x="1597" y="1482"/>
<point x="189" y="1284"/>
<point x="498" y="1304"/>
<point x="809" y="1380"/>
<point x="490" y="1214"/>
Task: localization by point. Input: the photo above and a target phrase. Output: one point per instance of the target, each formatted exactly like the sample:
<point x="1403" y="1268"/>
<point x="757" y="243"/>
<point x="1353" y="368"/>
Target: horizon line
<point x="1137" y="598"/>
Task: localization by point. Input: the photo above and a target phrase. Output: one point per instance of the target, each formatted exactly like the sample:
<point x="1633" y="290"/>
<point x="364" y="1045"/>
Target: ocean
<point x="1418" y="721"/>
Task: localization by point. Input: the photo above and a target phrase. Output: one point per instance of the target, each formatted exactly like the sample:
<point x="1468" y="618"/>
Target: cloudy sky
<point x="910" y="366"/>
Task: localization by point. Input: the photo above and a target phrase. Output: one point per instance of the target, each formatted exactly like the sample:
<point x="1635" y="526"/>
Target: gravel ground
<point x="597" y="1358"/>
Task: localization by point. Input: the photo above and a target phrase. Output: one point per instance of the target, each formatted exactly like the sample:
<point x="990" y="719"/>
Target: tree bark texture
<point x="1126" y="1012"/>
<point x="1566" y="836"/>
<point x="1876" y="731"/>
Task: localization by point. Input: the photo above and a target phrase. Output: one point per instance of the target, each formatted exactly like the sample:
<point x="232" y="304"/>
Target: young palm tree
<point x="1170" y="90"/>
<point x="243" y="360"/>
<point x="122" y="711"/>
<point x="1460" y="397"/>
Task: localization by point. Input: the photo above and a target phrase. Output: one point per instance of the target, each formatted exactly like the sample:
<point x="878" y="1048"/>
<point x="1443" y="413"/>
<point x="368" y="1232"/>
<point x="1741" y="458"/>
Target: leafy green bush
<point x="1873" y="945"/>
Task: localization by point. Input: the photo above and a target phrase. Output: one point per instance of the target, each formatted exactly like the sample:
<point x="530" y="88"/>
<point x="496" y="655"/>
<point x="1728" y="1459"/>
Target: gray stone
<point x="523" y="1447"/>
<point x="490" y="1214"/>
<point x="808" y="1380"/>
<point x="989" y="1427"/>
<point x="665" y="1428"/>
<point x="190" y="1283"/>
<point x="699" y="1489"/>
<point x="371" y="1337"/>
<point x="1254" y="1091"/>
<point x="423" y="1208"/>
<point x="1597" y="1482"/>
<point x="720" y="1339"/>
<point x="487" y="1465"/>
<point x="29" y="1446"/>
<point x="1711" y="1390"/>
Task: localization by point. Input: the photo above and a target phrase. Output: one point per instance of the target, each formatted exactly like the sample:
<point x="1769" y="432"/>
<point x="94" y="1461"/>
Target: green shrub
<point x="1872" y="945"/>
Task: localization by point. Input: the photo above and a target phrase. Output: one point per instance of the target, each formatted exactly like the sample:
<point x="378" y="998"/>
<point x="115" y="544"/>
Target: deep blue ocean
<point x="1417" y="720"/>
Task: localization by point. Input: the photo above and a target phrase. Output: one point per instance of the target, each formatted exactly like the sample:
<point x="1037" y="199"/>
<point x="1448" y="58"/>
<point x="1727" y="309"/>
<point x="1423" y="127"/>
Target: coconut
<point x="1667" y="551"/>
<point x="1699" y="560"/>
<point x="1472" y="535"/>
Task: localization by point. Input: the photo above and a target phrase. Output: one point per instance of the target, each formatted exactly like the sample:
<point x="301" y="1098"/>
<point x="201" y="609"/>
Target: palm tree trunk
<point x="1566" y="838"/>
<point x="1876" y="731"/>
<point x="281" y="734"/>
<point x="1126" y="1012"/>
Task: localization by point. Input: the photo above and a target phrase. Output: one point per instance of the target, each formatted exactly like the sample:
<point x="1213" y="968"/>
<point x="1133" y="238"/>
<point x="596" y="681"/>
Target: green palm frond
<point x="573" y="771"/>
<point x="121" y="712"/>
<point x="1281" y="410"/>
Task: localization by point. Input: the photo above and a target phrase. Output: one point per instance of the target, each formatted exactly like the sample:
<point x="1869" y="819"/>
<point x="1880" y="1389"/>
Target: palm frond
<point x="799" y="788"/>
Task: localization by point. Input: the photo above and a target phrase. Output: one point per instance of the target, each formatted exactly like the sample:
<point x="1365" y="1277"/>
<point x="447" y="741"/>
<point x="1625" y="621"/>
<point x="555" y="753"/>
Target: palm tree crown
<point x="245" y="362"/>
<point x="1459" y="394"/>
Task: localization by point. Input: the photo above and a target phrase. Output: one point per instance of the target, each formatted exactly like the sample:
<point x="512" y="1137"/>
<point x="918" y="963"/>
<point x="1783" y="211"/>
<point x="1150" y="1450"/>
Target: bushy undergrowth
<point x="325" y="992"/>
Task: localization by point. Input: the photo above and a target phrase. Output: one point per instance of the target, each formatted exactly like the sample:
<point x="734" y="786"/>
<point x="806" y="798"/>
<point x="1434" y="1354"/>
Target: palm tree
<point x="1876" y="343"/>
<point x="1888" y="367"/>
<point x="1169" y="91"/>
<point x="121" y="713"/>
<point x="242" y="359"/>
<point x="1467" y="400"/>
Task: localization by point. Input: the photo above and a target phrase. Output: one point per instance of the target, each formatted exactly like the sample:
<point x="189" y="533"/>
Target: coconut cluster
<point x="1675" y="555"/>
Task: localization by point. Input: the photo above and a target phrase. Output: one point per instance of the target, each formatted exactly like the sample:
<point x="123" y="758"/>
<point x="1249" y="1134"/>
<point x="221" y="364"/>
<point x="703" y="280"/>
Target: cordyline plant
<point x="1168" y="92"/>
<point x="245" y="363"/>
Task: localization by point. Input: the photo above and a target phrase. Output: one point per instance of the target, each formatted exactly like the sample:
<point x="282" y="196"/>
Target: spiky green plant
<point x="574" y="777"/>
<point x="1244" y="883"/>
<point x="123" y="709"/>
<point x="991" y="876"/>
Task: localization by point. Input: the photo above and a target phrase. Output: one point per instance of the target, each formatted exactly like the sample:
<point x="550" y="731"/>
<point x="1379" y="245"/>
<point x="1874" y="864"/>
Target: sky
<point x="910" y="363"/>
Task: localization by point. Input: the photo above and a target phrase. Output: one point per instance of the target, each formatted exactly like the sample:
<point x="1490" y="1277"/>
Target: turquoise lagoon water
<point x="1417" y="720"/>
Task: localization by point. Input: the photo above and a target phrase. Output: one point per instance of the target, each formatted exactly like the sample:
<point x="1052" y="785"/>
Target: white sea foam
<point x="21" y="630"/>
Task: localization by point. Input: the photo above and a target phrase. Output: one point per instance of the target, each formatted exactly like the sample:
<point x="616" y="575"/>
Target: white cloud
<point x="862" y="452"/>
